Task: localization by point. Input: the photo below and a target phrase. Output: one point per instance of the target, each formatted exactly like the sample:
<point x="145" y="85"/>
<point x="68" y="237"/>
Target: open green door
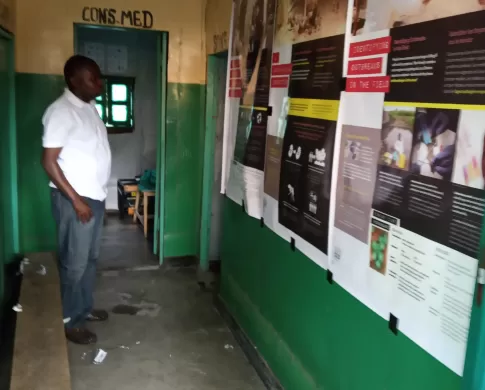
<point x="158" y="229"/>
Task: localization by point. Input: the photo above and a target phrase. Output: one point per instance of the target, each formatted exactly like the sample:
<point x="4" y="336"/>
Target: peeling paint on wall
<point x="218" y="21"/>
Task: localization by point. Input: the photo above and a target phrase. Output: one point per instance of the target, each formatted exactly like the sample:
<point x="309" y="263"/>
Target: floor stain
<point x="126" y="309"/>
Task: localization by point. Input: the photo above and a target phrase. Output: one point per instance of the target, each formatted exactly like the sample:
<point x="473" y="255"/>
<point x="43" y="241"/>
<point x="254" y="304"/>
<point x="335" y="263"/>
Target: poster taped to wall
<point x="304" y="95"/>
<point x="410" y="192"/>
<point x="246" y="118"/>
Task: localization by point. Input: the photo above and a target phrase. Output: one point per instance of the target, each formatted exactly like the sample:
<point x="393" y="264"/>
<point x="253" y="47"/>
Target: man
<point x="77" y="159"/>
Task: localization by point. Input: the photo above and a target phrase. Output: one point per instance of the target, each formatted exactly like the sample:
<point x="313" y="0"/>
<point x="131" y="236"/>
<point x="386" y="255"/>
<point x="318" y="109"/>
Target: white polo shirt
<point x="75" y="126"/>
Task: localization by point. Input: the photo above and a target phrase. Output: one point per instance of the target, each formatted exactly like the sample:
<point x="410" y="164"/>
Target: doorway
<point x="133" y="64"/>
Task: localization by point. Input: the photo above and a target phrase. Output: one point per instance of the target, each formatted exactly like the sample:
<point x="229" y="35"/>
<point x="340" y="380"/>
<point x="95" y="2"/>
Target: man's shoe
<point x="97" y="316"/>
<point x="81" y="336"/>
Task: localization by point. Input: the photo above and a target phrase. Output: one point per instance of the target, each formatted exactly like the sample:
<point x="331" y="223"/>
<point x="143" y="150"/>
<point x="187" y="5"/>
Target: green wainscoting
<point x="34" y="93"/>
<point x="185" y="140"/>
<point x="314" y="335"/>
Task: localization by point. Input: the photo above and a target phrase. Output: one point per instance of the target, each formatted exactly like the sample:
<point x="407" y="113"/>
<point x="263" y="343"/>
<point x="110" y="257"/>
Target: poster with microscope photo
<point x="246" y="108"/>
<point x="410" y="196"/>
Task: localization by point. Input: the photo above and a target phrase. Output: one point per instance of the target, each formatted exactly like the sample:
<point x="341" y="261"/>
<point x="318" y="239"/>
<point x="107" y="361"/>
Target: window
<point x="115" y="105"/>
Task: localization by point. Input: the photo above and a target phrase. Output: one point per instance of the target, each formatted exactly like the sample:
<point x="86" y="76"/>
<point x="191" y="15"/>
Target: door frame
<point x="12" y="139"/>
<point x="214" y="63"/>
<point x="162" y="81"/>
<point x="161" y="174"/>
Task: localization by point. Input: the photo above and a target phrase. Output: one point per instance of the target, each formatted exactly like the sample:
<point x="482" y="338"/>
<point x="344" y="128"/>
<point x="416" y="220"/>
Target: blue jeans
<point x="78" y="246"/>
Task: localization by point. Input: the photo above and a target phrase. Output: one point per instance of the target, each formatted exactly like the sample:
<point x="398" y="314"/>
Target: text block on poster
<point x="368" y="84"/>
<point x="370" y="47"/>
<point x="365" y="67"/>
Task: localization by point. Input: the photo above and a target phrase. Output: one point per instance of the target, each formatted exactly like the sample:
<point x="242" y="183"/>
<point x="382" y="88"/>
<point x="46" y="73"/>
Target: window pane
<point x="119" y="92"/>
<point x="99" y="98"/>
<point x="100" y="109"/>
<point x="120" y="112"/>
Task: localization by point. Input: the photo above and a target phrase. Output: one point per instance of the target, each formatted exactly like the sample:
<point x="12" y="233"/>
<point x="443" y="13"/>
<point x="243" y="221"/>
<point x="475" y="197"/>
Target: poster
<point x="306" y="164"/>
<point x="317" y="27"/>
<point x="409" y="195"/>
<point x="245" y="119"/>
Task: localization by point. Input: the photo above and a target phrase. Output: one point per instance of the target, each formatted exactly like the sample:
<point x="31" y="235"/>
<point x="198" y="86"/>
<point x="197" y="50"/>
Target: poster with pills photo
<point x="409" y="189"/>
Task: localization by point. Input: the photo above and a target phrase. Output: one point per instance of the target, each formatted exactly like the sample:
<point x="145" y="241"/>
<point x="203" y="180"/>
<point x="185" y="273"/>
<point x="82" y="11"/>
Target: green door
<point x="159" y="227"/>
<point x="8" y="156"/>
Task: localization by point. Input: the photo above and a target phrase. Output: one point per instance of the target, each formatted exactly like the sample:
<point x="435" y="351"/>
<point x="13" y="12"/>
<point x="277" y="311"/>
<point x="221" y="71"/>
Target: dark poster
<point x="440" y="61"/>
<point x="251" y="138"/>
<point x="317" y="68"/>
<point x="426" y="172"/>
<point x="305" y="178"/>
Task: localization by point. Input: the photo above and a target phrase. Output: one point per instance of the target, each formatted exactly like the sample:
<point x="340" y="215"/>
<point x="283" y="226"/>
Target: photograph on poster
<point x="305" y="20"/>
<point x="352" y="150"/>
<point x="469" y="154"/>
<point x="252" y="38"/>
<point x="379" y="241"/>
<point x="376" y="15"/>
<point x="397" y="136"/>
<point x="285" y="107"/>
<point x="434" y="142"/>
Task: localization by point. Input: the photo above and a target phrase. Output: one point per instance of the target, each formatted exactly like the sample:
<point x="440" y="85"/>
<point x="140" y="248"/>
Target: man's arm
<point x="54" y="171"/>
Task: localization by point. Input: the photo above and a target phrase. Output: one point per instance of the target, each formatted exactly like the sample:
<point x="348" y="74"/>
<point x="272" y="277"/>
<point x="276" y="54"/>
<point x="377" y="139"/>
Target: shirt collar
<point x="74" y="99"/>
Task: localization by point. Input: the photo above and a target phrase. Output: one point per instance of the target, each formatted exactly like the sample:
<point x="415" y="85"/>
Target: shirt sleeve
<point x="57" y="126"/>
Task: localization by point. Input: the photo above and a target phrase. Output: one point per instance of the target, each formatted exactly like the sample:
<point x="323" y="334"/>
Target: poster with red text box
<point x="296" y="27"/>
<point x="409" y="196"/>
<point x="248" y="85"/>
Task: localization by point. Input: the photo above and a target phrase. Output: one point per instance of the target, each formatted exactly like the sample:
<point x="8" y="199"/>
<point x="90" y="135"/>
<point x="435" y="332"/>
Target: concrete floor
<point x="176" y="340"/>
<point x="124" y="246"/>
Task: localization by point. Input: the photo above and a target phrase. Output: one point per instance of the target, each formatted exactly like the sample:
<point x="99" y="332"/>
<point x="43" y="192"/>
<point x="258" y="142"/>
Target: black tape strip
<point x="343" y="83"/>
<point x="292" y="244"/>
<point x="393" y="323"/>
<point x="242" y="206"/>
<point x="270" y="110"/>
<point x="329" y="276"/>
<point x="261" y="222"/>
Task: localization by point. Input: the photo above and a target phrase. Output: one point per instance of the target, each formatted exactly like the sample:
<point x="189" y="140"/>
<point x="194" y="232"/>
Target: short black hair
<point x="75" y="64"/>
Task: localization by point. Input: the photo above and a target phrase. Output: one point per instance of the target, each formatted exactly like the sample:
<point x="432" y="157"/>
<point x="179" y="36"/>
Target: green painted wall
<point x="184" y="164"/>
<point x="314" y="335"/>
<point x="34" y="93"/>
<point x="8" y="211"/>
<point x="184" y="161"/>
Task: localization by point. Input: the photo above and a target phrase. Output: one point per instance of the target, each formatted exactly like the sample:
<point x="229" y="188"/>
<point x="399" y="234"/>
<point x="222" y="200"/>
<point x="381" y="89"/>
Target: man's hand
<point x="83" y="211"/>
<point x="49" y="162"/>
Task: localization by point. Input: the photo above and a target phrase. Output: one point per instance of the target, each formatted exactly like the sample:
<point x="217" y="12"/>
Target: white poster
<point x="246" y="118"/>
<point x="409" y="194"/>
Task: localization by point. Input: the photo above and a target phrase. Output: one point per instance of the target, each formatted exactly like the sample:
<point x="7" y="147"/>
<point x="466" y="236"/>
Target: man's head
<point x="83" y="77"/>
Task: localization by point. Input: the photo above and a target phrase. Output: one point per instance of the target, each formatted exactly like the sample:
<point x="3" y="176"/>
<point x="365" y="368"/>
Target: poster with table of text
<point x="410" y="193"/>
